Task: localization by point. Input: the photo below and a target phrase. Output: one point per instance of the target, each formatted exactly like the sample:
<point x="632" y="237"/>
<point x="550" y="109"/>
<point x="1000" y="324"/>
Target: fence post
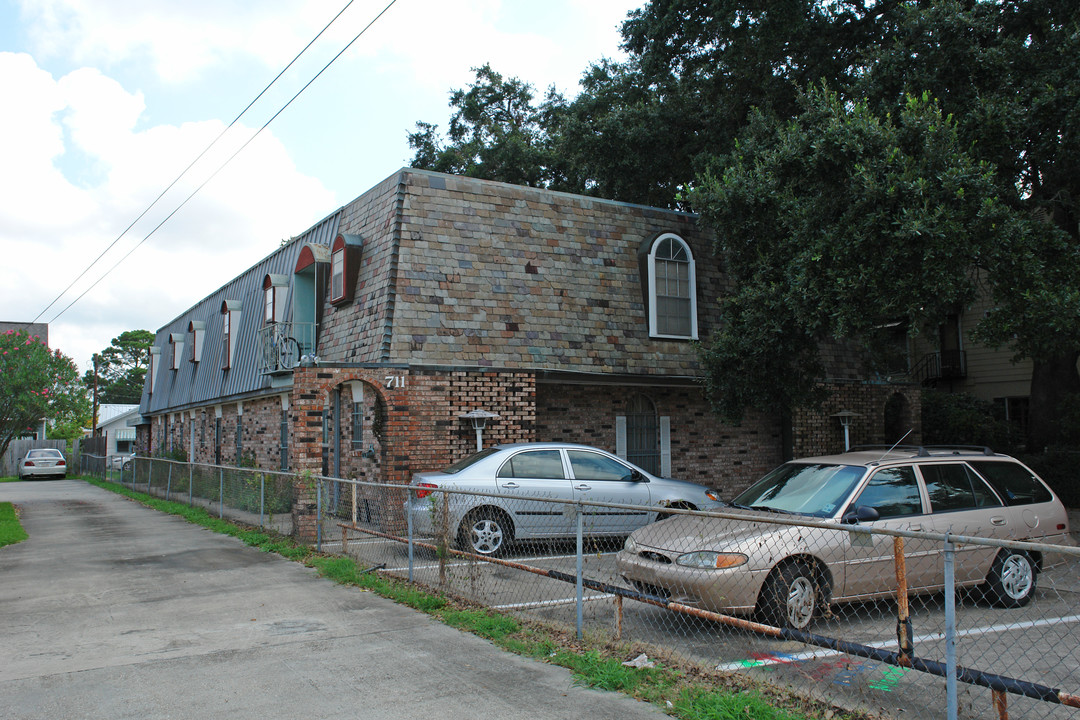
<point x="221" y="493"/>
<point x="904" y="635"/>
<point x="408" y="519"/>
<point x="190" y="478"/>
<point x="318" y="515"/>
<point x="580" y="571"/>
<point x="168" y="483"/>
<point x="262" y="497"/>
<point x="950" y="630"/>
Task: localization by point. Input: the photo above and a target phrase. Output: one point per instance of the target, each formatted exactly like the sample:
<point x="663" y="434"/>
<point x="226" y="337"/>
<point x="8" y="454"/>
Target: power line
<point x="189" y="167"/>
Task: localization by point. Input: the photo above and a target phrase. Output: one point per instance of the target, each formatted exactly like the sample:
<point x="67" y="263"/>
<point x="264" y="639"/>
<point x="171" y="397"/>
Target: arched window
<point x="672" y="289"/>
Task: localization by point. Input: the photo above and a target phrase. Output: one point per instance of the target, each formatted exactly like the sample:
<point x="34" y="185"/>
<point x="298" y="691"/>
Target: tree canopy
<point x="121" y="368"/>
<point x="35" y="384"/>
<point x="949" y="127"/>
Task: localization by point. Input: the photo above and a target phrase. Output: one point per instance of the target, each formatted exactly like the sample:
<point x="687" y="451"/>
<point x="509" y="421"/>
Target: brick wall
<point x="817" y="432"/>
<point x="703" y="450"/>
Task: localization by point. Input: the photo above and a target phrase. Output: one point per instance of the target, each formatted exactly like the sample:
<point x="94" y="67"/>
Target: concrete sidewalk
<point x="112" y="610"/>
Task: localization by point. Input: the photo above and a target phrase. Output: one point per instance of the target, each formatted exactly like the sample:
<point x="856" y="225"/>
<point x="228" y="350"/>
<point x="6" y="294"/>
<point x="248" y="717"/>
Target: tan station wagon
<point x="789" y="574"/>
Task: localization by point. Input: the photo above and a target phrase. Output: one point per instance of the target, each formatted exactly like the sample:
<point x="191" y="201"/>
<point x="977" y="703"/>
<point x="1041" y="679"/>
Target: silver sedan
<point x="535" y="474"/>
<point x="43" y="462"/>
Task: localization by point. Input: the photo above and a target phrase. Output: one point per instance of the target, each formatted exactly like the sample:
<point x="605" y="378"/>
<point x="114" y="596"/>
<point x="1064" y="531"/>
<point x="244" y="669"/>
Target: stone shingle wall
<point x="494" y="275"/>
<point x="354" y="331"/>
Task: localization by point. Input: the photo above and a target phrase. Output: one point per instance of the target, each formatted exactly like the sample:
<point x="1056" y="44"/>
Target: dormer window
<point x="176" y="350"/>
<point x="152" y="366"/>
<point x="197" y="331"/>
<point x="672" y="289"/>
<point x="344" y="265"/>
<point x="275" y="288"/>
<point x="230" y="323"/>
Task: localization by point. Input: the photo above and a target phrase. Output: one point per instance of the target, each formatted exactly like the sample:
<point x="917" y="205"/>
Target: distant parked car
<point x="43" y="462"/>
<point x="789" y="574"/>
<point x="538" y="472"/>
<point x="122" y="461"/>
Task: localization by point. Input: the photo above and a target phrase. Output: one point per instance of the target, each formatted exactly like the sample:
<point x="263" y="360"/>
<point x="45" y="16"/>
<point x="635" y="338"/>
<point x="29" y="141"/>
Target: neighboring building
<point x="40" y="330"/>
<point x="355" y="349"/>
<point x="116" y="423"/>
<point x="952" y="361"/>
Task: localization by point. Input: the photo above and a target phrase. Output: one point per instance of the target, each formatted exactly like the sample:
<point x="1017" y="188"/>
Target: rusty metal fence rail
<point x="973" y="622"/>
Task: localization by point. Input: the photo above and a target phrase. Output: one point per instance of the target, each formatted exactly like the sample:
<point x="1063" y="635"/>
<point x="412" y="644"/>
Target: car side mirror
<point x="861" y="514"/>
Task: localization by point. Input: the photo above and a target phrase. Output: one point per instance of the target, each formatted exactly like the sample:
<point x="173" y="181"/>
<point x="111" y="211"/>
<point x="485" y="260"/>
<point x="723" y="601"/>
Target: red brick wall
<point x="703" y="450"/>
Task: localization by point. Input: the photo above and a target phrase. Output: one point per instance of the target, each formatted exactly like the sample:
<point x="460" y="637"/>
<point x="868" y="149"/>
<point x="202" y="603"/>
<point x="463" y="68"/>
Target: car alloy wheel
<point x="791" y="596"/>
<point x="1012" y="579"/>
<point x="485" y="532"/>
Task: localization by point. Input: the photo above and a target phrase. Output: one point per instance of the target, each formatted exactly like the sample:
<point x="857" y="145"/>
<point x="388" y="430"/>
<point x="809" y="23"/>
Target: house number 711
<point x="395" y="381"/>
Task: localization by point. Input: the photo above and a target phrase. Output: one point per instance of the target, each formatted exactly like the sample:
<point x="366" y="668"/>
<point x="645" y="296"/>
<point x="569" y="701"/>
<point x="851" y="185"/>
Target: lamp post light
<point x="845" y="417"/>
<point x="479" y="419"/>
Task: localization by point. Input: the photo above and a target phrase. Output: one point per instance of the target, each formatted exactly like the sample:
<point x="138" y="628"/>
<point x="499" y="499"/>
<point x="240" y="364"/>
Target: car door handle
<point x="997" y="521"/>
<point x="510" y="485"/>
<point x="583" y="486"/>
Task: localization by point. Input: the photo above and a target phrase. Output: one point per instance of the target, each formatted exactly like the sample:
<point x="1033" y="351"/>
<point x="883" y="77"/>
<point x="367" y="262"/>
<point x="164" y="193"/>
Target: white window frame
<point x="654" y="327"/>
<point x="337" y="275"/>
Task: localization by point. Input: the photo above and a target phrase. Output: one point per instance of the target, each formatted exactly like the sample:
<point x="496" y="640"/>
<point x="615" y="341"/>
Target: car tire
<point x="1012" y="579"/>
<point x="485" y="531"/>
<point x="791" y="597"/>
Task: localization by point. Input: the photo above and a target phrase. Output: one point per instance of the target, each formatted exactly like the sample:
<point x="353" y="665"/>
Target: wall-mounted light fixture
<point x="845" y="417"/>
<point x="479" y="419"/>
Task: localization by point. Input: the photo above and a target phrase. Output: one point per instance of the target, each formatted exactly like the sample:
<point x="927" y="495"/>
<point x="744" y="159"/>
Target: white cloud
<point x="57" y="227"/>
<point x="115" y="101"/>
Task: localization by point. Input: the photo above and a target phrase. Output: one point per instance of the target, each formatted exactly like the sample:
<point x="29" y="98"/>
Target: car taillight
<point x="28" y="463"/>
<point x="61" y="462"/>
<point x="421" y="494"/>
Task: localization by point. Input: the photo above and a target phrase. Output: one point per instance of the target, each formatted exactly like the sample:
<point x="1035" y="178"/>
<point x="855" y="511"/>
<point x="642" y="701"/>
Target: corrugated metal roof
<point x="195" y="384"/>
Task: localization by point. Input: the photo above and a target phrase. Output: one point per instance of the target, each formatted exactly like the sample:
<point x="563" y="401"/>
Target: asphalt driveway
<point x="112" y="610"/>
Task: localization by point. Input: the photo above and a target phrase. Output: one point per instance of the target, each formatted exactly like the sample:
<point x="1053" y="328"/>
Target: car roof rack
<point x="930" y="450"/>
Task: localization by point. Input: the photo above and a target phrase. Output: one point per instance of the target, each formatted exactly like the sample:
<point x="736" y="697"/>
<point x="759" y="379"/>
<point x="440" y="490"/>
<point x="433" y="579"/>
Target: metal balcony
<point x="281" y="345"/>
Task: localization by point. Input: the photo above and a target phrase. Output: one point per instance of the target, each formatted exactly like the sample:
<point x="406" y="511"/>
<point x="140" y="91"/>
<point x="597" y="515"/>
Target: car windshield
<point x="469" y="461"/>
<point x="808" y="489"/>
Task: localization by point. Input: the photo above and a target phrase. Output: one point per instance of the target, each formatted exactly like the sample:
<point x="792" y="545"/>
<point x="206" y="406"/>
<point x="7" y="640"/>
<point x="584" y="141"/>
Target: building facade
<point x="356" y="348"/>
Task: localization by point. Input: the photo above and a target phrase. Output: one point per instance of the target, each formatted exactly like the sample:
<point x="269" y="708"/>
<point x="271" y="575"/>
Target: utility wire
<point x="230" y="159"/>
<point x="180" y="176"/>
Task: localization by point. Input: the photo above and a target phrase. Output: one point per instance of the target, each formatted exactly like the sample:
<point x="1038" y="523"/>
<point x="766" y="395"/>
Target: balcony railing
<point x="945" y="365"/>
<point x="281" y="345"/>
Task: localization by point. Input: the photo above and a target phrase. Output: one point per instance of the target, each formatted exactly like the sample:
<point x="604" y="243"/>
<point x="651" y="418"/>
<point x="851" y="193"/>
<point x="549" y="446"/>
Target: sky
<point x="104" y="103"/>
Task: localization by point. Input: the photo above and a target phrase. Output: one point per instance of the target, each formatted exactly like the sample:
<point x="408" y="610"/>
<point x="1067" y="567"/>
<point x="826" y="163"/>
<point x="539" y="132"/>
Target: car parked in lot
<point x="535" y="474"/>
<point x="790" y="574"/>
<point x="43" y="462"/>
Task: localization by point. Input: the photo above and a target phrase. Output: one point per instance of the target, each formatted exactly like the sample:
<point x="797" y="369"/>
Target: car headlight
<point x="709" y="560"/>
<point x="630" y="546"/>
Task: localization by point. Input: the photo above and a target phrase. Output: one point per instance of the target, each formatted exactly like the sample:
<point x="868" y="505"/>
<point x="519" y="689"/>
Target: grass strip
<point x="688" y="693"/>
<point x="11" y="530"/>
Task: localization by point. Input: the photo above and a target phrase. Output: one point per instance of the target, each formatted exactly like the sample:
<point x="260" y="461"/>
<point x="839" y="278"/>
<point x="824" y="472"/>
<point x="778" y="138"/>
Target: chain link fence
<point x="959" y="618"/>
